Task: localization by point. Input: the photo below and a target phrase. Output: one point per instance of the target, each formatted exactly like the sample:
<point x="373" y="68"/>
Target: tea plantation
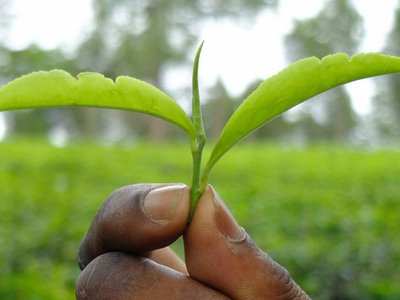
<point x="330" y="215"/>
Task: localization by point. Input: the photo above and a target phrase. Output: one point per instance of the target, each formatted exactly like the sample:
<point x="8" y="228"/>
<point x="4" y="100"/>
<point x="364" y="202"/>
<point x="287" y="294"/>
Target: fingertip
<point x="161" y="203"/>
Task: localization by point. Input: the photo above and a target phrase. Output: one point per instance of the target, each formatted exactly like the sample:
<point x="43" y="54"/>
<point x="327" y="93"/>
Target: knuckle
<point x="113" y="275"/>
<point x="294" y="292"/>
<point x="281" y="285"/>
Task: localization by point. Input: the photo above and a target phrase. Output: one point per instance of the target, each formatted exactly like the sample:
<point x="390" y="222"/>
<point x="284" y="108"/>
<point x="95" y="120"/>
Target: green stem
<point x="198" y="145"/>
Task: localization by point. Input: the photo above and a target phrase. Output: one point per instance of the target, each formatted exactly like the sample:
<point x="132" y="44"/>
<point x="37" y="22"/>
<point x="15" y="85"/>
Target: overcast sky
<point x="255" y="48"/>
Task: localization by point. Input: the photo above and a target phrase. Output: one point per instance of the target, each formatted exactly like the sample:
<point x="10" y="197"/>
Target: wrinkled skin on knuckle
<point x="269" y="280"/>
<point x="283" y="286"/>
<point x="94" y="281"/>
<point x="117" y="275"/>
<point x="288" y="287"/>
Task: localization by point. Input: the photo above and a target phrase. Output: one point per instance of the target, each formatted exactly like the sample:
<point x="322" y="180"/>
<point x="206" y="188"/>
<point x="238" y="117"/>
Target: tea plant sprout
<point x="298" y="82"/>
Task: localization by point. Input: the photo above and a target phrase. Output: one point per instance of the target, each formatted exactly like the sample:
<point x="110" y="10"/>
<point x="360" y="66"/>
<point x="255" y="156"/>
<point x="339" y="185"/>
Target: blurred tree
<point x="387" y="101"/>
<point x="14" y="63"/>
<point x="33" y="58"/>
<point x="4" y="16"/>
<point x="143" y="38"/>
<point x="219" y="107"/>
<point x="4" y="21"/>
<point x="337" y="28"/>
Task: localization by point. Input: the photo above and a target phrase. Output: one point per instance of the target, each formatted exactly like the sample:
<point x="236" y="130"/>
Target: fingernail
<point x="160" y="204"/>
<point x="226" y="224"/>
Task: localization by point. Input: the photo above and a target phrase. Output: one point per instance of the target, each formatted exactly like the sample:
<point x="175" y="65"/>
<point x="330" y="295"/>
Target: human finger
<point x="117" y="275"/>
<point x="137" y="219"/>
<point x="221" y="255"/>
<point x="167" y="257"/>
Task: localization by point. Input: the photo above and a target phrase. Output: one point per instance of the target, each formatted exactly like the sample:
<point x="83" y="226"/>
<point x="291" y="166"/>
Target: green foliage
<point x="48" y="197"/>
<point x="295" y="84"/>
<point x="328" y="214"/>
<point x="387" y="98"/>
<point x="58" y="88"/>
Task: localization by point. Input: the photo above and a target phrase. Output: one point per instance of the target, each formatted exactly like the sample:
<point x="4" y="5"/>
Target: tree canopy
<point x="337" y="28"/>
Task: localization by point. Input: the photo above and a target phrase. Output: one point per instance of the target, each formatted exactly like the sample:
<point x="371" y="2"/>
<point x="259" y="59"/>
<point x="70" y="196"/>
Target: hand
<point x="125" y="254"/>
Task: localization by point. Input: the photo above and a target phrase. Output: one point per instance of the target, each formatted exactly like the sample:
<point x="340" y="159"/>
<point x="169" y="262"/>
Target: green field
<point x="331" y="215"/>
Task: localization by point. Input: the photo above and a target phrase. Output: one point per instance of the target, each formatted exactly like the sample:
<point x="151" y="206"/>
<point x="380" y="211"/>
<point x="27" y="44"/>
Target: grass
<point x="328" y="214"/>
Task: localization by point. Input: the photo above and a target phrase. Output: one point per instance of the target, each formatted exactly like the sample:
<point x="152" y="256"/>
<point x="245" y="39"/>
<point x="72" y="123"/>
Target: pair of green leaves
<point x="295" y="84"/>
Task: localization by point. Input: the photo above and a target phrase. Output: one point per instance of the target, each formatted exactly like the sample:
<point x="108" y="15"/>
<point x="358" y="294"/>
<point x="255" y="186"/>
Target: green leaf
<point x="295" y="84"/>
<point x="58" y="88"/>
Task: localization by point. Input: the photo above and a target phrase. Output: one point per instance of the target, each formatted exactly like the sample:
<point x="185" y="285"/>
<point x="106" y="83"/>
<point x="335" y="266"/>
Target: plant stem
<point x="198" y="145"/>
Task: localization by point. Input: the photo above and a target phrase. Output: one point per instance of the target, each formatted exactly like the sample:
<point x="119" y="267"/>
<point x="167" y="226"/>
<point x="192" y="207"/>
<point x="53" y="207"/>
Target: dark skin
<point x="125" y="253"/>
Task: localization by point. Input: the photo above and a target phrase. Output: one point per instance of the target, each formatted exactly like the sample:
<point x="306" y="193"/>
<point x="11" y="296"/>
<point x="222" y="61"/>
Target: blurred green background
<point x="317" y="188"/>
<point x="328" y="214"/>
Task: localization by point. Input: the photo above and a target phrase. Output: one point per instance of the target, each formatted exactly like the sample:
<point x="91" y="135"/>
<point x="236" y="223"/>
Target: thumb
<point x="221" y="255"/>
<point x="137" y="219"/>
